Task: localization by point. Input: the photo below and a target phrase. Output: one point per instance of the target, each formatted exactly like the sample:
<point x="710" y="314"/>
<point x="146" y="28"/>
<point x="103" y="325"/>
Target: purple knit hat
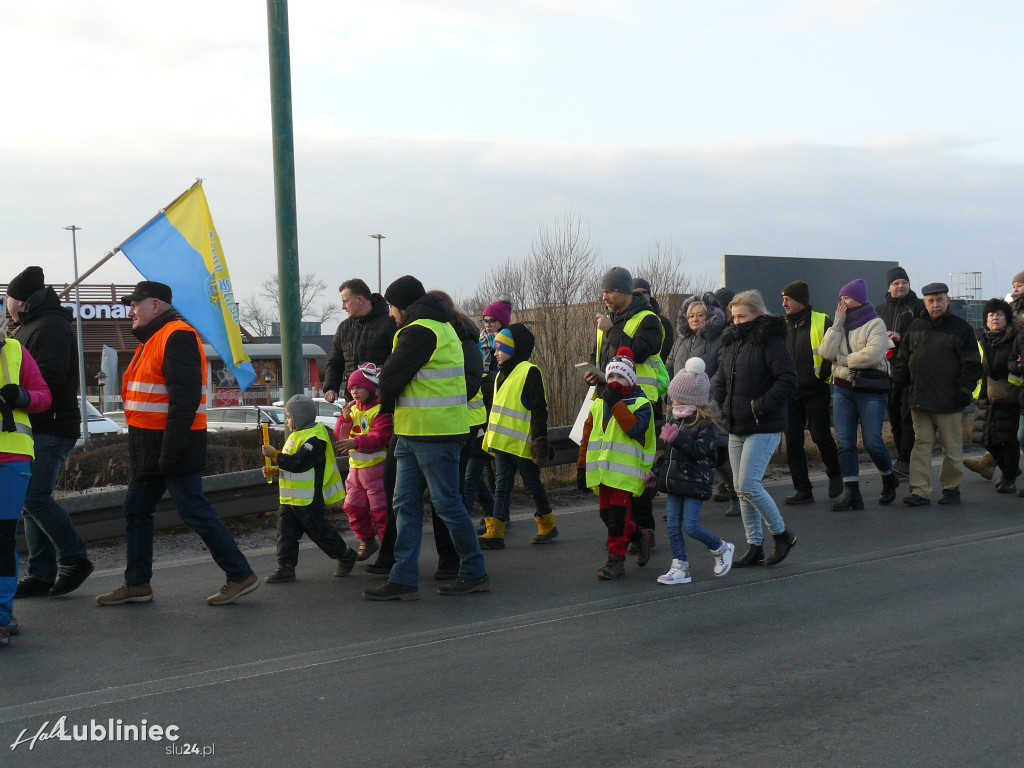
<point x="500" y="311"/>
<point x="856" y="289"/>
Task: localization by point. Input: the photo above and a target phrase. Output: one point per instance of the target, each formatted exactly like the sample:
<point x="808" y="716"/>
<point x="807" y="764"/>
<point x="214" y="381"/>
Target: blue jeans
<point x="505" y="467"/>
<point x="749" y="456"/>
<point x="49" y="532"/>
<point x="14" y="477"/>
<point x="690" y="523"/>
<point x="434" y="466"/>
<point x="196" y="513"/>
<point x="475" y="489"/>
<point x="849" y="407"/>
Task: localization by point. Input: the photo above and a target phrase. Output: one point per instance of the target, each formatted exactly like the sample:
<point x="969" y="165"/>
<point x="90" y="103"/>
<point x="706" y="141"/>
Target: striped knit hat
<point x="623" y="365"/>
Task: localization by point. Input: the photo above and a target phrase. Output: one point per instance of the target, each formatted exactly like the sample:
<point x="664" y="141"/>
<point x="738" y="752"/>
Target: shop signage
<point x="99" y="311"/>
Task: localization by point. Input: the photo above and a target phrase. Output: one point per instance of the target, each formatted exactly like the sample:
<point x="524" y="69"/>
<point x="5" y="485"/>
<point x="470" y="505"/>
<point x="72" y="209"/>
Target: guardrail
<point x="235" y="494"/>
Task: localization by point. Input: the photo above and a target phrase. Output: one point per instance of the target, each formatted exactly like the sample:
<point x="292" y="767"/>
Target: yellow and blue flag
<point x="180" y="247"/>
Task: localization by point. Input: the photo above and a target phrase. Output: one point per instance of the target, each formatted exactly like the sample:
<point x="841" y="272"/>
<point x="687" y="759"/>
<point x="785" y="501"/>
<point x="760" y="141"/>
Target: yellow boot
<point x="494" y="538"/>
<point x="546" y="530"/>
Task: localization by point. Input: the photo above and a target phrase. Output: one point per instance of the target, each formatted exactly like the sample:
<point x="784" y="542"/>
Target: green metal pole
<point x="284" y="197"/>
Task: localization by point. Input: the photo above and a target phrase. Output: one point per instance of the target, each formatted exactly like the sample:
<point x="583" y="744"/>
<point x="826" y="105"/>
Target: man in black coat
<point x="365" y="336"/>
<point x="898" y="311"/>
<point x="810" y="406"/>
<point x="939" y="363"/>
<point x="57" y="557"/>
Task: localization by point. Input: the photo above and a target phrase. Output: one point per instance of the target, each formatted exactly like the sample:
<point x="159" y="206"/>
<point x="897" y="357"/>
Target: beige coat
<point x="869" y="344"/>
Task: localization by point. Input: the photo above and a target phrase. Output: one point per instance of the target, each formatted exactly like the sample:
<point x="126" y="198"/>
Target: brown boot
<point x="366" y="548"/>
<point x="985" y="466"/>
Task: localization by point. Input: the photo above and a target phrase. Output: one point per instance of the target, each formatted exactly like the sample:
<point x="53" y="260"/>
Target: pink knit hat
<point x="500" y="311"/>
<point x="365" y="376"/>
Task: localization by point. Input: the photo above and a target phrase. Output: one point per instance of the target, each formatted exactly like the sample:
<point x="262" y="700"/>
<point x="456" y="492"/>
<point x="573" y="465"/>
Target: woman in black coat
<point x="755" y="379"/>
<point x="996" y="421"/>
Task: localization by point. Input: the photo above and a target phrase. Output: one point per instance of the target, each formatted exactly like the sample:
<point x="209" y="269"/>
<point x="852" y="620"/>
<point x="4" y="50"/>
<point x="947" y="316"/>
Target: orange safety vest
<point x="144" y="389"/>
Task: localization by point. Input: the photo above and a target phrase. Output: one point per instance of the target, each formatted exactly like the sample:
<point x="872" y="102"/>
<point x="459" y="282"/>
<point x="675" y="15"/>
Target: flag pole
<point x="117" y="248"/>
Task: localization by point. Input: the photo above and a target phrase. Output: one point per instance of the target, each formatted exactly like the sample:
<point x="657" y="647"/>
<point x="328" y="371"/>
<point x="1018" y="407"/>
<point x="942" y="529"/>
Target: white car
<point x="98" y="424"/>
<point x="236" y="417"/>
<point x="326" y="413"/>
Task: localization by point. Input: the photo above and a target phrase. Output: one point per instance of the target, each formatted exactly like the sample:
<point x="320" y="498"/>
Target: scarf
<point x="862" y="315"/>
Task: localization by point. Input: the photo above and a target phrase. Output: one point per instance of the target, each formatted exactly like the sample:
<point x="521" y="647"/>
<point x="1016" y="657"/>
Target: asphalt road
<point x="888" y="637"/>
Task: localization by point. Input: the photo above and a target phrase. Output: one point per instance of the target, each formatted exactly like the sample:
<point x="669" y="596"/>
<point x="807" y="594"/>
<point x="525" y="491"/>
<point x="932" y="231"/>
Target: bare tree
<point x="258" y="318"/>
<point x="670" y="283"/>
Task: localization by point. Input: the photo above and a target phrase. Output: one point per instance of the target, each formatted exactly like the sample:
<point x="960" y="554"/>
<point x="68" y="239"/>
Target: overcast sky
<point x="853" y="130"/>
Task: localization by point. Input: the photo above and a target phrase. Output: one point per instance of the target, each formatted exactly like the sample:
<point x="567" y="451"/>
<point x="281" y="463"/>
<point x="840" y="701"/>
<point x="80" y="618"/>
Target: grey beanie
<point x="303" y="411"/>
<point x="617" y="279"/>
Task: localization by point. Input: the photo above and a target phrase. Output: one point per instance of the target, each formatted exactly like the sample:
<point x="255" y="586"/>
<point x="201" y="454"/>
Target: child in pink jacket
<point x="364" y="432"/>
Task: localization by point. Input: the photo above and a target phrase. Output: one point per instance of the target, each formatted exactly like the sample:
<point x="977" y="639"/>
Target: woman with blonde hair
<point x="755" y="379"/>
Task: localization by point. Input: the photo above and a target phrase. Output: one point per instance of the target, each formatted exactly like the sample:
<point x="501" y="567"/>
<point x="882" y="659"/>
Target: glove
<point x="669" y="432"/>
<point x="270" y="471"/>
<point x="540" y="451"/>
<point x="610" y="396"/>
<point x="962" y="400"/>
<point x="14" y="396"/>
<point x="651" y="481"/>
<point x="581" y="479"/>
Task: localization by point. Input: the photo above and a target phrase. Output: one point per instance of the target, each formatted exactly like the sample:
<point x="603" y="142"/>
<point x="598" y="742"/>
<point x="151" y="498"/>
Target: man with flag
<point x="164" y="395"/>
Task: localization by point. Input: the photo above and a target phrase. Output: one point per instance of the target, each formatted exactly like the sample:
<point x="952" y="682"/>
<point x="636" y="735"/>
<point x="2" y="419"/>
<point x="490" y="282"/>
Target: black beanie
<point x="27" y="283"/>
<point x="896" y="273"/>
<point x="404" y="291"/>
<point x="798" y="291"/>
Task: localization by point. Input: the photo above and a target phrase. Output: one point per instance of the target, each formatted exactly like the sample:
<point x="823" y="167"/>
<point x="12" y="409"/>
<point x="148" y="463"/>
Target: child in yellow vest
<point x="309" y="479"/>
<point x="364" y="433"/>
<point x="616" y="455"/>
<point x="517" y="435"/>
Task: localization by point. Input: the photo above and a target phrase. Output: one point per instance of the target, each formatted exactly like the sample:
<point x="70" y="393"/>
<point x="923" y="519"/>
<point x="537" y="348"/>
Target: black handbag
<point x="867" y="379"/>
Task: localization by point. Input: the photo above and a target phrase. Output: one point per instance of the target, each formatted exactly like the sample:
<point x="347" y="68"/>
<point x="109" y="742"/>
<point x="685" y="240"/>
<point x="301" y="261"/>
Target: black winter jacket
<point x="44" y="329"/>
<point x="365" y="339"/>
<point x="996" y="424"/>
<point x="704" y="343"/>
<point x="178" y="449"/>
<point x="645" y="342"/>
<point x="416" y="345"/>
<point x="534" y="397"/>
<point x="938" y="361"/>
<point x="687" y="467"/>
<point x="756" y="377"/>
<point x="798" y="341"/>
<point x="898" y="314"/>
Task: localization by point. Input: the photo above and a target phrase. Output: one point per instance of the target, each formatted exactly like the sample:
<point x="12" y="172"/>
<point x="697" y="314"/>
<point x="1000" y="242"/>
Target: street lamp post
<point x="78" y="325"/>
<point x="378" y="238"/>
<point x="101" y="379"/>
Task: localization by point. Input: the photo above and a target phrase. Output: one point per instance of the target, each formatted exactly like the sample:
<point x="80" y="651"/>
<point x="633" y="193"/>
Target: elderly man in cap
<point x="165" y="407"/>
<point x="939" y="363"/>
<point x="898" y="311"/>
<point x="810" y="405"/>
<point x="57" y="558"/>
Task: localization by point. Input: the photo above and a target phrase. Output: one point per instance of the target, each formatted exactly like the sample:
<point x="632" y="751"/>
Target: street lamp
<point x="78" y="324"/>
<point x="101" y="379"/>
<point x="378" y="238"/>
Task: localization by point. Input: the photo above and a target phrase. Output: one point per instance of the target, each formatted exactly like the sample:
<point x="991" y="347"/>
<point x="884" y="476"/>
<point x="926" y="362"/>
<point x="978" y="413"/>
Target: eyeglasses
<point x="490" y="321"/>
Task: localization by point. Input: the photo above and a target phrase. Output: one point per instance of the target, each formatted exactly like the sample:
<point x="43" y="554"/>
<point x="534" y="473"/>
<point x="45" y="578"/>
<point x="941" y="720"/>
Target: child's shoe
<point x="366" y="548"/>
<point x="283" y="573"/>
<point x="723" y="558"/>
<point x="346" y="563"/>
<point x="615" y="568"/>
<point x="678" y="573"/>
<point x="494" y="538"/>
<point x="546" y="530"/>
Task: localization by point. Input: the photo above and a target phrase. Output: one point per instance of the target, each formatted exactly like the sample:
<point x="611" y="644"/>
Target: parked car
<point x="98" y="424"/>
<point x="327" y="413"/>
<point x="237" y="417"/>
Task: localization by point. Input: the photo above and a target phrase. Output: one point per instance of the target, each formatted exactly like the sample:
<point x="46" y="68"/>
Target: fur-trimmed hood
<point x="715" y="323"/>
<point x="759" y="330"/>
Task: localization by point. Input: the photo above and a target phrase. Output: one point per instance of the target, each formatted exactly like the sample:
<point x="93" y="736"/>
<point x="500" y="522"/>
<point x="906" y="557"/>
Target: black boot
<point x="753" y="556"/>
<point x="851" y="499"/>
<point x="889" y="485"/>
<point x="784" y="542"/>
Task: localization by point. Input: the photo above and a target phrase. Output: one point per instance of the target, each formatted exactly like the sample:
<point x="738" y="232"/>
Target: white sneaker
<point x="723" y="558"/>
<point x="678" y="573"/>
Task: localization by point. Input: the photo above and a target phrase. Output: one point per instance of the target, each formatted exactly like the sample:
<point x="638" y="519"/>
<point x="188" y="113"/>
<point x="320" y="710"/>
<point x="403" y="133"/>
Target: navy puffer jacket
<point x="687" y="467"/>
<point x="756" y="377"/>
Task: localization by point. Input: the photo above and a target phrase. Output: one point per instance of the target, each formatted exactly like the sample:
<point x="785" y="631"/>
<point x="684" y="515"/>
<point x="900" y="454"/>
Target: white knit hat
<point x="691" y="386"/>
<point x="623" y="365"/>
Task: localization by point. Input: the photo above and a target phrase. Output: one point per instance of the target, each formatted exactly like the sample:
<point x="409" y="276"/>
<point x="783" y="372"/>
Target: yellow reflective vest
<point x="817" y="334"/>
<point x="477" y="410"/>
<point x="362" y="421"/>
<point x="20" y="440"/>
<point x="434" y="402"/>
<point x="651" y="374"/>
<point x="299" y="488"/>
<point x="613" y="458"/>
<point x="1012" y="378"/>
<point x="508" y="427"/>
